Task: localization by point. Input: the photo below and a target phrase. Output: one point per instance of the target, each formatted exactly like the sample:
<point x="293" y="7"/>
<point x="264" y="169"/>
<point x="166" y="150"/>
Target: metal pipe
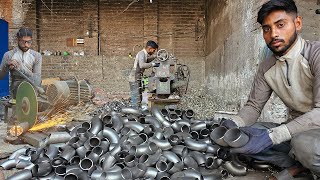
<point x="52" y="152"/>
<point x="147" y="148"/>
<point x="162" y="144"/>
<point x="81" y="151"/>
<point x="94" y="157"/>
<point x="151" y="173"/>
<point x="107" y="161"/>
<point x="43" y="169"/>
<point x="21" y="175"/>
<point x="130" y="160"/>
<point x="86" y="164"/>
<point x="171" y="156"/>
<point x="204" y="133"/>
<point x="212" y="163"/>
<point x="68" y="153"/>
<point x="82" y="133"/>
<point x="22" y="164"/>
<point x="174" y="117"/>
<point x="198" y="126"/>
<point x="167" y="132"/>
<point x="217" y="135"/>
<point x="136" y="126"/>
<point x="21" y="151"/>
<point x="195" y="145"/>
<point x="72" y="167"/>
<point x="180" y="150"/>
<point x="106" y="118"/>
<point x="138" y="171"/>
<point x="199" y="157"/>
<point x="8" y="164"/>
<point x="104" y="144"/>
<point x="161" y="166"/>
<point x="185" y="129"/>
<point x="52" y="175"/>
<point x="117" y="123"/>
<point x="86" y="125"/>
<point x="75" y="142"/>
<point x="58" y="137"/>
<point x="130" y="110"/>
<point x="150" y="160"/>
<point x="153" y="121"/>
<point x="190" y="162"/>
<point x="194" y="135"/>
<point x="24" y="157"/>
<point x="137" y="139"/>
<point x="121" y="155"/>
<point x="193" y="173"/>
<point x="111" y="135"/>
<point x="174" y="139"/>
<point x="123" y="175"/>
<point x="158" y="115"/>
<point x="97" y="174"/>
<point x="213" y="148"/>
<point x="177" y="167"/>
<point x="234" y="170"/>
<point x="163" y="176"/>
<point x="60" y="170"/>
<point x="57" y="162"/>
<point x="188" y="114"/>
<point x="96" y="125"/>
<point x="71" y="176"/>
<point x="234" y="137"/>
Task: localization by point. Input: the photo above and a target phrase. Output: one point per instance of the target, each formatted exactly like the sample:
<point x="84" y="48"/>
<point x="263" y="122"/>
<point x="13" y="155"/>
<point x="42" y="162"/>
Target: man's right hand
<point x="13" y="64"/>
<point x="155" y="64"/>
<point x="228" y="123"/>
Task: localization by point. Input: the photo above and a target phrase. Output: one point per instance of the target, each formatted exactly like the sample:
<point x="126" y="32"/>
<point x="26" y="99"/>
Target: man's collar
<point x="294" y="51"/>
<point x="145" y="51"/>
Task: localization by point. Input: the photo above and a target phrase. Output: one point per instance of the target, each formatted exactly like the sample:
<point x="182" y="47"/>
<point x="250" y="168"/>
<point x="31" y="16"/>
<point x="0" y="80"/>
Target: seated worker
<point x="23" y="59"/>
<point x="292" y="72"/>
<point x="142" y="61"/>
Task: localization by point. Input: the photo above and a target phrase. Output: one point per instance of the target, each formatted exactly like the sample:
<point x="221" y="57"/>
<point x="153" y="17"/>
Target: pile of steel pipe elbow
<point x="158" y="144"/>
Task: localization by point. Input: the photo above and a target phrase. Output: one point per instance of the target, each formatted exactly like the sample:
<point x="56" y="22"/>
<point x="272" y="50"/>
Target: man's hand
<point x="155" y="64"/>
<point x="259" y="140"/>
<point x="13" y="64"/>
<point x="228" y="123"/>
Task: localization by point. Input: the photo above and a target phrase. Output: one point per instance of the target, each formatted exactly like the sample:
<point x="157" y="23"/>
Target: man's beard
<point x="24" y="49"/>
<point x="285" y="48"/>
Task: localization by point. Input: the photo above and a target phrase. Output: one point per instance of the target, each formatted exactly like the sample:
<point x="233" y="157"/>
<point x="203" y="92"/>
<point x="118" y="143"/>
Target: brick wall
<point x="114" y="27"/>
<point x="109" y="73"/>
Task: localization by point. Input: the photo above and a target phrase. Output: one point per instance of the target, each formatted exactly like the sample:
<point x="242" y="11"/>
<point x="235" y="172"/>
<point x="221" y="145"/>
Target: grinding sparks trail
<point x="53" y="121"/>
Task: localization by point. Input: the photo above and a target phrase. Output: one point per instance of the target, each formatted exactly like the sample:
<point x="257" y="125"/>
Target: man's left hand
<point x="259" y="140"/>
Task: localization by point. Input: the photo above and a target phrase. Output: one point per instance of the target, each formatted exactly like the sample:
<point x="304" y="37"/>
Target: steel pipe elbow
<point x="195" y="145"/>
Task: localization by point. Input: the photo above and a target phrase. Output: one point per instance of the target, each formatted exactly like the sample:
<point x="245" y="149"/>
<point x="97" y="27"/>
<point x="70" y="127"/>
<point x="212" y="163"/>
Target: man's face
<point x="24" y="43"/>
<point x="150" y="50"/>
<point x="280" y="31"/>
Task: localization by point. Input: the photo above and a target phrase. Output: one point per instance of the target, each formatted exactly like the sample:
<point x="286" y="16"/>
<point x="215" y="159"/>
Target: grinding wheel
<point x="26" y="104"/>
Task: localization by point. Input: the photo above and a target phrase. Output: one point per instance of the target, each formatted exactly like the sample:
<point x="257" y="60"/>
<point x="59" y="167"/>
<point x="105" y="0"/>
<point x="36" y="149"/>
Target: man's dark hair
<point x="24" y="32"/>
<point x="152" y="44"/>
<point x="289" y="6"/>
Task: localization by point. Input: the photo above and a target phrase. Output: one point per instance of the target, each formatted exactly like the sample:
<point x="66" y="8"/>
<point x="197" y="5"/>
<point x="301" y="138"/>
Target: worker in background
<point x="142" y="61"/>
<point x="22" y="59"/>
<point x="292" y="72"/>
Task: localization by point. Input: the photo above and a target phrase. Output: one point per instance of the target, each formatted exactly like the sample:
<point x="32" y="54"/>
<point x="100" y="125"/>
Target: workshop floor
<point x="6" y="149"/>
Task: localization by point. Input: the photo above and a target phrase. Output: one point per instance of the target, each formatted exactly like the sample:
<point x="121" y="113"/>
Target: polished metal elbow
<point x="21" y="175"/>
<point x="136" y="126"/>
<point x="235" y="138"/>
<point x="130" y="110"/>
<point x="158" y="115"/>
<point x="96" y="125"/>
<point x="235" y="170"/>
<point x="111" y="135"/>
<point x="195" y="145"/>
<point x="217" y="135"/>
